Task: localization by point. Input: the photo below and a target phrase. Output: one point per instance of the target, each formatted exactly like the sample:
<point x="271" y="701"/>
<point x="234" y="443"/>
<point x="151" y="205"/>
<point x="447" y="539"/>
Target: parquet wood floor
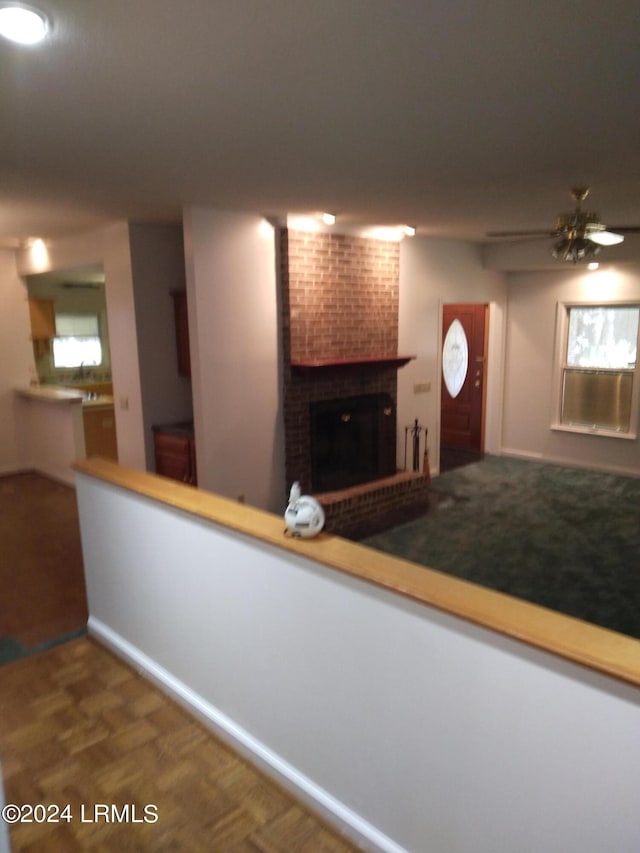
<point x="79" y="726"/>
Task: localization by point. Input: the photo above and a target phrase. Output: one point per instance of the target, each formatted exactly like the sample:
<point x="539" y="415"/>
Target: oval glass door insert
<point x="455" y="358"/>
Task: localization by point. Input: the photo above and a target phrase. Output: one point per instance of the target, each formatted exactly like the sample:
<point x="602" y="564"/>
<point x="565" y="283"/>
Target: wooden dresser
<point x="175" y="452"/>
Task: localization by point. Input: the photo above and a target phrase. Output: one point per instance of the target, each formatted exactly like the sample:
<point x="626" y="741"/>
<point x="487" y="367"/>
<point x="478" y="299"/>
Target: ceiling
<point x="455" y="116"/>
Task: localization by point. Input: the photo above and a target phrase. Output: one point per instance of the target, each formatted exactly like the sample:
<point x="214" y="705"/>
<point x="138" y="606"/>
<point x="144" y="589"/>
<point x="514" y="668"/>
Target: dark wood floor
<point x="78" y="726"/>
<point x="41" y="570"/>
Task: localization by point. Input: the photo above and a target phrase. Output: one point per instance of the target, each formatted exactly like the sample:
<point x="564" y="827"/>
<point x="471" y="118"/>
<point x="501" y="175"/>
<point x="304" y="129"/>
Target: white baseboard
<point x="54" y="474"/>
<point x="344" y="820"/>
<point x="65" y="476"/>
<point x="521" y="454"/>
<point x="570" y="463"/>
<point x="11" y="470"/>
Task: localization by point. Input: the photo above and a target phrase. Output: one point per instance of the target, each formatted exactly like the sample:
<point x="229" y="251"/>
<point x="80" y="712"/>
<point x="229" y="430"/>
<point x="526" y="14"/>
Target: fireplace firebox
<point x="353" y="441"/>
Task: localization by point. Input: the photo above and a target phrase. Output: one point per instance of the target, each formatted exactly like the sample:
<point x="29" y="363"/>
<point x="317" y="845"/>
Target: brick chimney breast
<point x="343" y="296"/>
<point x="339" y="297"/>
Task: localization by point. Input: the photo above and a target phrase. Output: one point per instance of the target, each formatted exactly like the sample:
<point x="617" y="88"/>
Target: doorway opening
<point x="463" y="393"/>
<point x="71" y="346"/>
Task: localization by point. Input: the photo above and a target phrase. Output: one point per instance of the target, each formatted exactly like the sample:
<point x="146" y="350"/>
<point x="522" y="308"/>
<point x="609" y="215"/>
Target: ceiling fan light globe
<point x="605" y="238"/>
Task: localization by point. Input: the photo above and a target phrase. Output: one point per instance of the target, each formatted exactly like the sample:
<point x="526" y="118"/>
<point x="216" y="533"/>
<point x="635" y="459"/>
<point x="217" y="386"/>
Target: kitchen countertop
<point x="99" y="401"/>
<point x="58" y="394"/>
<point x="50" y="394"/>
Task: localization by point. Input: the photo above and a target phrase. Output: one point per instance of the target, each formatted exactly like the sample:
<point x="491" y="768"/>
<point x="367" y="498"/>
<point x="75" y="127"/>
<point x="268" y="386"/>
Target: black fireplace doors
<point x="353" y="440"/>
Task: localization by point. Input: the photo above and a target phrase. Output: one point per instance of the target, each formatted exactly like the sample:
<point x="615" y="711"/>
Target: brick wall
<point x="343" y="295"/>
<point x="339" y="300"/>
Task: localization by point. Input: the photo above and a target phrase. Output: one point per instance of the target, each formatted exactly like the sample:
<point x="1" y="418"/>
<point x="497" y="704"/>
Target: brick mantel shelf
<point x="397" y="361"/>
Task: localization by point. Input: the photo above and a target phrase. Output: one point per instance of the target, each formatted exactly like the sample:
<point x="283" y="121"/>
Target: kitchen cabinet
<point x="182" y="331"/>
<point x="43" y="319"/>
<point x="100" y="431"/>
<point x="175" y="452"/>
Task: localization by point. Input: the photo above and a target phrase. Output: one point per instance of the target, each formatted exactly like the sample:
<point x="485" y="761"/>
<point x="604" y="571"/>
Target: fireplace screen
<point x="353" y="440"/>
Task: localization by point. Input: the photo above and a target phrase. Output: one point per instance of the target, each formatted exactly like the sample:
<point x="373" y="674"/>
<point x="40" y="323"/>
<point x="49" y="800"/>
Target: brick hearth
<point x="351" y="510"/>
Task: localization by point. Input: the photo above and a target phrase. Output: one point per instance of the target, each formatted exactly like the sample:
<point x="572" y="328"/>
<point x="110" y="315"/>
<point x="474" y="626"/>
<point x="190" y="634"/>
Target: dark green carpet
<point x="564" y="538"/>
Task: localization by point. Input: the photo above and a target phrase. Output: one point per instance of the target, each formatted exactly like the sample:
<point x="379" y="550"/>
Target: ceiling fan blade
<point x="578" y="234"/>
<point x="545" y="233"/>
<point x="624" y="229"/>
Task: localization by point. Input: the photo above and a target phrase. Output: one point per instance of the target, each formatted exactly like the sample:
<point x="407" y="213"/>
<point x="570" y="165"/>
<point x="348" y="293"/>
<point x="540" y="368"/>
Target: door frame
<point x="485" y="378"/>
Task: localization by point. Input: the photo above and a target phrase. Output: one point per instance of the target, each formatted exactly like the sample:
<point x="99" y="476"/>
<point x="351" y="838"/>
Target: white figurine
<point x="304" y="516"/>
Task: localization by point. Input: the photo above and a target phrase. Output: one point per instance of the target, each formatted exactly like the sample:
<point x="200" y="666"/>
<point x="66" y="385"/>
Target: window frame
<point x="561" y="342"/>
<point x="98" y="320"/>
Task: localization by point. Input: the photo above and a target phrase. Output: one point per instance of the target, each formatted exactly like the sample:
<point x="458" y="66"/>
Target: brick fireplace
<point x="340" y="342"/>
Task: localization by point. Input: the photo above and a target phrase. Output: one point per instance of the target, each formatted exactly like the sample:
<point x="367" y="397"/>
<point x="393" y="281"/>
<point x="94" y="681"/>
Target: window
<point x="598" y="371"/>
<point x="77" y="342"/>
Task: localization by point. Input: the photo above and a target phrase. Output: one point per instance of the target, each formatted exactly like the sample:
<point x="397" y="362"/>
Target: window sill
<point x="602" y="433"/>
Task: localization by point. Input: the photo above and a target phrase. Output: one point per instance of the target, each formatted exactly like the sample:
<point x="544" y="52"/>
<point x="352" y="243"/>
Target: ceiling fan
<point x="580" y="233"/>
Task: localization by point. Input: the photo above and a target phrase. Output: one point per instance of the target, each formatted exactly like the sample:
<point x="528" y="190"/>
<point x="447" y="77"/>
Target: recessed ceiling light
<point x="303" y="223"/>
<point x="22" y="24"/>
<point x="384" y="232"/>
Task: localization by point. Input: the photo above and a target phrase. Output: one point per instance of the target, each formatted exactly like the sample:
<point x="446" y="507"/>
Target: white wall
<point x="51" y="436"/>
<point x="110" y="247"/>
<point x="434" y="272"/>
<point x="530" y="354"/>
<point x="415" y="729"/>
<point x="17" y="366"/>
<point x="157" y="263"/>
<point x="233" y="327"/>
<point x="234" y="322"/>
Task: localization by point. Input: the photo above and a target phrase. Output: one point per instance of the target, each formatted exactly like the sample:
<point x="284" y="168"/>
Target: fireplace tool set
<point x="415" y="431"/>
